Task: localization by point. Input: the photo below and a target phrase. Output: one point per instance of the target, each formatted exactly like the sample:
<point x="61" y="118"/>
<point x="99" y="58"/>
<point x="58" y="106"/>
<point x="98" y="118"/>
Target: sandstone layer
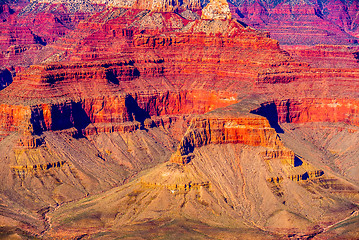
<point x="303" y="22"/>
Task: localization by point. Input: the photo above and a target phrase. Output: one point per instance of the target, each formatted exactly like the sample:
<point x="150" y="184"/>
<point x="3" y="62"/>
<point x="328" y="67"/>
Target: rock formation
<point x="153" y="5"/>
<point x="302" y="22"/>
<point x="220" y="179"/>
<point x="28" y="27"/>
<point x="216" y="9"/>
<point x="152" y="117"/>
<point x="328" y="56"/>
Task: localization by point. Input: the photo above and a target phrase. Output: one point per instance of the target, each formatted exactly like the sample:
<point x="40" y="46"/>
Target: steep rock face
<point x="216" y="9"/>
<point x="249" y="130"/>
<point x="153" y="5"/>
<point x="326" y="56"/>
<point x="304" y="22"/>
<point x="312" y="110"/>
<point x="15" y="118"/>
<point x="324" y="84"/>
<point x="114" y="110"/>
<point x="24" y="33"/>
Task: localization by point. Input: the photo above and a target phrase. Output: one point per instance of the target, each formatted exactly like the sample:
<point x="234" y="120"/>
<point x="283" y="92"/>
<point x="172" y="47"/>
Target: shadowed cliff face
<point x="305" y="110"/>
<point x="5" y="78"/>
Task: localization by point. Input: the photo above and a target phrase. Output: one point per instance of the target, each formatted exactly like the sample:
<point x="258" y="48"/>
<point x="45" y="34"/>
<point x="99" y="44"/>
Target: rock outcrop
<point x="153" y="5"/>
<point x="216" y="9"/>
<point x="311" y="110"/>
<point x="248" y="130"/>
<point x="326" y="56"/>
<point x="302" y="22"/>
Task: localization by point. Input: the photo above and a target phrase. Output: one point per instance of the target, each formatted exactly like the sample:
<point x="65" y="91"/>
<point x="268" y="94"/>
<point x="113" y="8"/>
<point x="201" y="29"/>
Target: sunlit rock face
<point x="216" y="9"/>
<point x="153" y="5"/>
<point x="302" y="22"/>
<point x="163" y="5"/>
<point x="149" y="117"/>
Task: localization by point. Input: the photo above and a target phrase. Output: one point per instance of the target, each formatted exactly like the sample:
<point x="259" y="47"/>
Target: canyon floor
<point x="186" y="123"/>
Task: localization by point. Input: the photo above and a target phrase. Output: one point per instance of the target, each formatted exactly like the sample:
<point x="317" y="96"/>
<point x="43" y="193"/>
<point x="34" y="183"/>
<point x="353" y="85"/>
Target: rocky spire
<point x="216" y="9"/>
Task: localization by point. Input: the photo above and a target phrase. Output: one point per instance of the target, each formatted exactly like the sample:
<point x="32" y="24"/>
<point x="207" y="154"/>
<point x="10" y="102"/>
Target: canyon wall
<point x="117" y="90"/>
<point x="311" y="110"/>
<point x="302" y="23"/>
<point x="115" y="110"/>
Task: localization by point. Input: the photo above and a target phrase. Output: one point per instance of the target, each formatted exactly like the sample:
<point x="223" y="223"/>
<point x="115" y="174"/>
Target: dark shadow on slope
<point x="305" y="176"/>
<point x="40" y="40"/>
<point x="115" y="77"/>
<point x="111" y="77"/>
<point x="61" y="117"/>
<point x="239" y="13"/>
<point x="5" y="78"/>
<point x="356" y="56"/>
<point x="80" y="118"/>
<point x="134" y="111"/>
<point x="318" y="13"/>
<point x="297" y="161"/>
<point x="37" y="121"/>
<point x="66" y="116"/>
<point x="270" y="112"/>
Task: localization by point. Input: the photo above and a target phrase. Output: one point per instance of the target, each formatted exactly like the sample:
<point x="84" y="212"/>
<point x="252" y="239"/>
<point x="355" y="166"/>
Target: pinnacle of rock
<point x="216" y="9"/>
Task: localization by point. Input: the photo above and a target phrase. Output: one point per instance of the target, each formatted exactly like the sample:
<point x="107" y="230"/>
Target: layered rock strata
<point x="124" y="80"/>
<point x="117" y="95"/>
<point x="249" y="130"/>
<point x="304" y="110"/>
<point x="302" y="23"/>
<point x="28" y="27"/>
